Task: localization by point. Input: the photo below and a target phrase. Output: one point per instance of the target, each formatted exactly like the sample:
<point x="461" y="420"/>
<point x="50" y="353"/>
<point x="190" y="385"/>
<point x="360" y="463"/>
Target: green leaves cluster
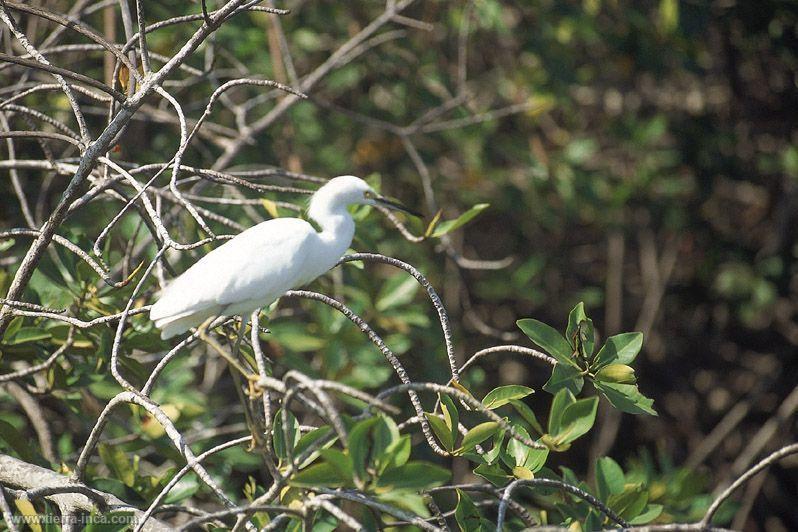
<point x="375" y="459"/>
<point x="446" y="428"/>
<point x="609" y="369"/>
<point x="501" y="457"/>
<point x="628" y="499"/>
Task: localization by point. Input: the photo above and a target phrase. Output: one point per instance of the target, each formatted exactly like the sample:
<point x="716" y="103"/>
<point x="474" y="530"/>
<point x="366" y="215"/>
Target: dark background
<point x="652" y="176"/>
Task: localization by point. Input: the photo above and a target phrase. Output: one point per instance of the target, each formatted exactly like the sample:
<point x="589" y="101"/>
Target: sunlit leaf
<point x="398" y="290"/>
<point x="549" y="339"/>
<point x="493" y="474"/>
<point x="323" y="474"/>
<point x="609" y="477"/>
<point x="26" y="335"/>
<point x="504" y="394"/>
<point x="477" y="435"/>
<point x="626" y="397"/>
<point x="669" y="15"/>
<point x="441" y="430"/>
<point x="450" y="415"/>
<point x="577" y="419"/>
<point x="618" y="349"/>
<point x="528" y="415"/>
<point x="414" y="475"/>
<point x="29" y="513"/>
<point x="450" y="225"/>
<point x="340" y="461"/>
<point x="564" y="377"/>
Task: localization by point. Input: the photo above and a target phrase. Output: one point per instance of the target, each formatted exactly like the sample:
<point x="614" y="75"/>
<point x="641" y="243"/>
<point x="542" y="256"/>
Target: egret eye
<point x="368" y="194"/>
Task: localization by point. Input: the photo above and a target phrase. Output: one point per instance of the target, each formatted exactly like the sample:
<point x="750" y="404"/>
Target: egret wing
<point x="249" y="266"/>
<point x="274" y="261"/>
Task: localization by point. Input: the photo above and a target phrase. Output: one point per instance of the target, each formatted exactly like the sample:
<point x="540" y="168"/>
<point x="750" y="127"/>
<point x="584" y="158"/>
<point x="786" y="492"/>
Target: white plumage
<point x="256" y="267"/>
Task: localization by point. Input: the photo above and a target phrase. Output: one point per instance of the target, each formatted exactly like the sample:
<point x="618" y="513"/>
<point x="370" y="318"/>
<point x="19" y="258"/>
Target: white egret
<point x="256" y="267"/>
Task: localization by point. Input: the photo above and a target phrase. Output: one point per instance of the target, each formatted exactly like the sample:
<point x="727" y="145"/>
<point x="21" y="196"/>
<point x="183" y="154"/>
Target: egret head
<point x="350" y="190"/>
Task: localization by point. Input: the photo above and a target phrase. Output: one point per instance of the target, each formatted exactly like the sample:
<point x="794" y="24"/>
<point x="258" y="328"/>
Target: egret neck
<point x="329" y="210"/>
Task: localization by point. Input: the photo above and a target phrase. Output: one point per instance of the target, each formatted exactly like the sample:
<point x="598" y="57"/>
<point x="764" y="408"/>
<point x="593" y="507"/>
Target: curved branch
<point x="14" y="472"/>
<point x="387" y="353"/>
<point x="115" y="94"/>
<point x="433" y="296"/>
<point x="745" y="477"/>
<point x="549" y="483"/>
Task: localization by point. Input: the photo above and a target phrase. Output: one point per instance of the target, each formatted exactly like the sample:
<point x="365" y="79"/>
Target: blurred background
<point x="641" y="157"/>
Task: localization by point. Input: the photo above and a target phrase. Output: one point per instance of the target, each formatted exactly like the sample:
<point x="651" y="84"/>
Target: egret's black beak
<point x="395" y="205"/>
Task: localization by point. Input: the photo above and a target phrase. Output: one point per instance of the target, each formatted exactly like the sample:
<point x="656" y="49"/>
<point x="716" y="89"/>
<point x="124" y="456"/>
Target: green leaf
<point x="516" y="449"/>
<point x="28" y="511"/>
<point x="16" y="441"/>
<point x="493" y="474"/>
<point x="576" y="317"/>
<point x="116" y="459"/>
<point x="358" y="446"/>
<point x="561" y="400"/>
<point x="398" y="290"/>
<point x="504" y="394"/>
<point x="279" y="439"/>
<point x="415" y="476"/>
<point x="323" y="474"/>
<point x="626" y="397"/>
<point x="524" y="456"/>
<point x="548" y="339"/>
<point x="441" y="430"/>
<point x="629" y="503"/>
<point x="609" y="478"/>
<point x="490" y="456"/>
<point x="577" y="419"/>
<point x="669" y="15"/>
<point x="185" y="488"/>
<point x="296" y="337"/>
<point x="536" y="459"/>
<point x="618" y="349"/>
<point x="28" y="334"/>
<point x="477" y="435"/>
<point x="450" y="225"/>
<point x="564" y="377"/>
<point x="404" y="499"/>
<point x="396" y="455"/>
<point x="14" y="326"/>
<point x="651" y="512"/>
<point x="309" y="439"/>
<point x="340" y="461"/>
<point x="467" y="515"/>
<point x="450" y="415"/>
<point x="528" y="415"/>
<point x="384" y="433"/>
<point x="118" y="488"/>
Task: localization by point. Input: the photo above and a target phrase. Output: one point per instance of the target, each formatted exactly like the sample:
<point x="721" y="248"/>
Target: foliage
<point x="636" y="161"/>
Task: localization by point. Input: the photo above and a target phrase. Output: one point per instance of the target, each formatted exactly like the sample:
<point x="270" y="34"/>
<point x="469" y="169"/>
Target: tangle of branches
<point x="69" y="133"/>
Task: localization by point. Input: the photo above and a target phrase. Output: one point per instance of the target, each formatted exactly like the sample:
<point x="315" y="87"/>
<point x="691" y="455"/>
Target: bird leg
<point x="202" y="331"/>
<point x="253" y="390"/>
<point x="237" y="346"/>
